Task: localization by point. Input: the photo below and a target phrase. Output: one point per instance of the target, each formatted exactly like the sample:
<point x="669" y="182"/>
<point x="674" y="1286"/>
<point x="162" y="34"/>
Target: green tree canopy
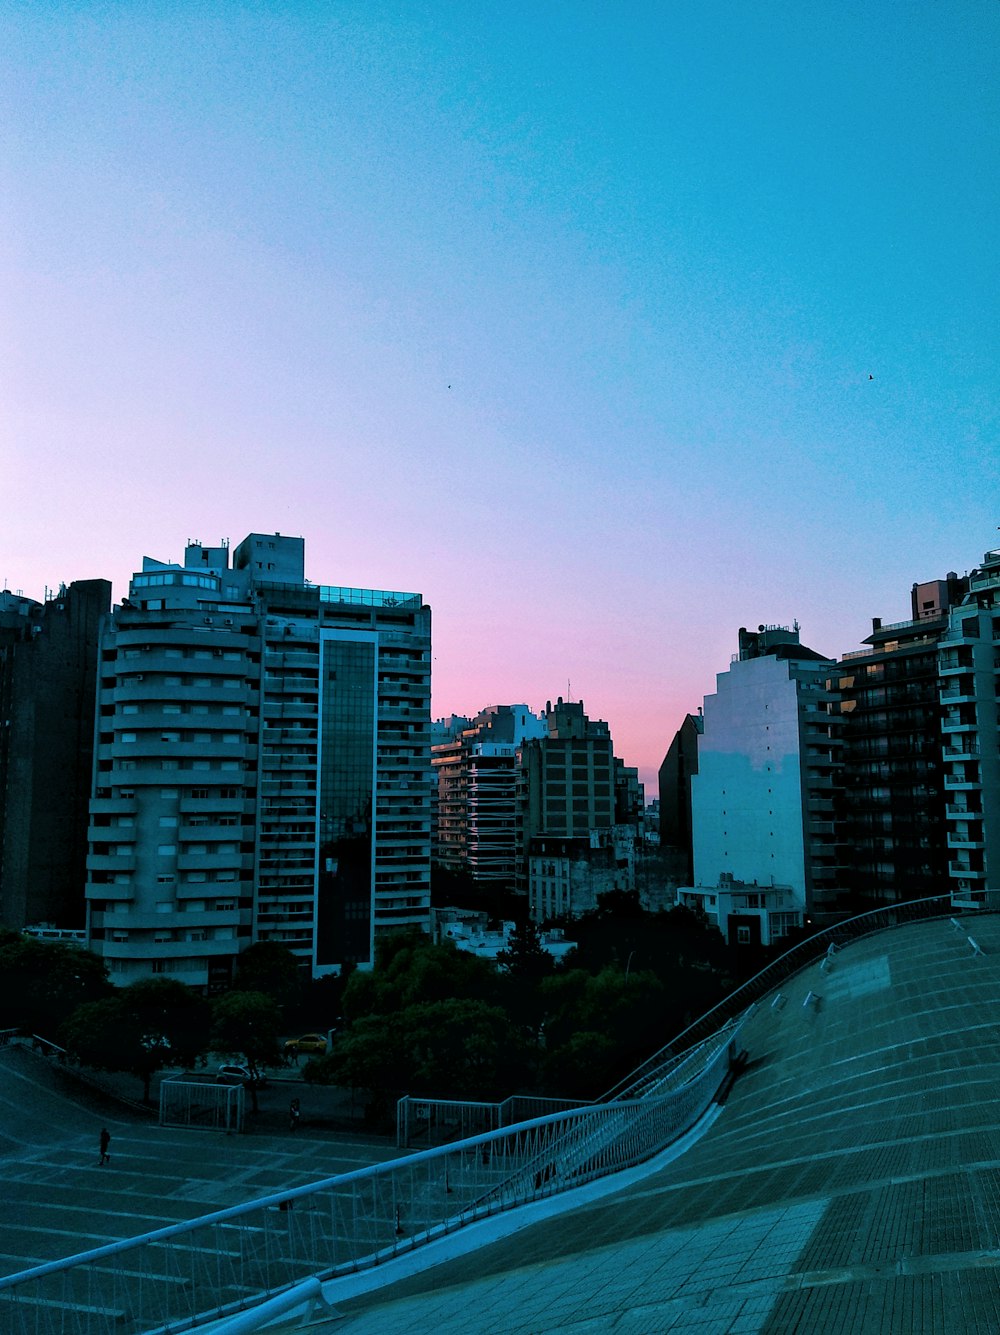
<point x="452" y="1048"/>
<point x="43" y="982"/>
<point x="152" y="1023"/>
<point x="271" y="968"/>
<point x="410" y="969"/>
<point x="245" y="1025"/>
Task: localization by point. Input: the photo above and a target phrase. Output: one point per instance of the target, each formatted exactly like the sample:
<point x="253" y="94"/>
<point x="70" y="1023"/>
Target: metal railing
<point x="178" y="1277"/>
<point x="800" y="955"/>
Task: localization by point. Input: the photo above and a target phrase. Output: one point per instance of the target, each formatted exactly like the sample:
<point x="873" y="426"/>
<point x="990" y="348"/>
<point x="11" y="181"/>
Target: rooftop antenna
<point x="569" y="691"/>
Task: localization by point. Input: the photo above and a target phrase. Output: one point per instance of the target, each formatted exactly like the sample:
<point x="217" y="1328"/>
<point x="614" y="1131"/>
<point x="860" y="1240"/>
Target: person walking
<point x="105" y="1142"/>
<point x="294" y="1113"/>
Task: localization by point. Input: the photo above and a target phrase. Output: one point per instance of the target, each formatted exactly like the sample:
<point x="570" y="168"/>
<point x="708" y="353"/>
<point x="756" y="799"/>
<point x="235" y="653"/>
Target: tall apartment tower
<point x="578" y="811"/>
<point x="476" y="772"/>
<point x="261" y="766"/>
<point x="969" y="666"/>
<point x="762" y="798"/>
<point x="48" y="674"/>
<point x="891" y="805"/>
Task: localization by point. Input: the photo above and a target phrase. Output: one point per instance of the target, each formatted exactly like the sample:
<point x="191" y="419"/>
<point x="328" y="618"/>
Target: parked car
<point x="232" y="1073"/>
<point x="312" y="1043"/>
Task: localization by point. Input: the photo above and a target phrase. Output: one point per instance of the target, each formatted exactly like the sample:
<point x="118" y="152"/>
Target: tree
<point x="43" y="982"/>
<point x="174" y="1018"/>
<point x="618" y="1017"/>
<point x="246" y="1024"/>
<point x="271" y="968"/>
<point x="451" y="1048"/>
<point x="524" y="956"/>
<point x="148" y="1025"/>
<point x="410" y="969"/>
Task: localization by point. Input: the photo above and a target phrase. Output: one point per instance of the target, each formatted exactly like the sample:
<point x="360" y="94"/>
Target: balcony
<point x="960" y="781"/>
<point x="215" y="862"/>
<point x="960" y="752"/>
<point x="965" y="840"/>
<point x="963" y="813"/>
<point x="110" y="862"/>
<point x="966" y="873"/>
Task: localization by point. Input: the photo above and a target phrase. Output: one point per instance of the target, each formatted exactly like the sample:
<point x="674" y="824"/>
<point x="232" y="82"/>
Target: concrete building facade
<point x="762" y="799"/>
<point x="48" y="675"/>
<point x="891" y="802"/>
<point x="574" y="795"/>
<point x="969" y="667"/>
<point x="476" y="776"/>
<point x="261" y="766"/>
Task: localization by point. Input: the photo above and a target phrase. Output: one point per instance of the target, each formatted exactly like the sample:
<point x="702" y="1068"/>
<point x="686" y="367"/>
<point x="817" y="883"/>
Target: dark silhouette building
<point x="891" y="802"/>
<point x="48" y="677"/>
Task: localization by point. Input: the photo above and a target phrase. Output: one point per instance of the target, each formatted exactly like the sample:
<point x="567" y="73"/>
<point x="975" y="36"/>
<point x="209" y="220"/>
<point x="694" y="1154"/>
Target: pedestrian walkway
<point x="850" y="1184"/>
<point x="60" y="1201"/>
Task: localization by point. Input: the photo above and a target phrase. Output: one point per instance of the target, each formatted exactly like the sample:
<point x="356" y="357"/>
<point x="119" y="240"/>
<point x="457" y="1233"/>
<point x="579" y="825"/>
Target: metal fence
<point x="175" y="1277"/>
<point x="791" y="962"/>
<point x="437" y="1121"/>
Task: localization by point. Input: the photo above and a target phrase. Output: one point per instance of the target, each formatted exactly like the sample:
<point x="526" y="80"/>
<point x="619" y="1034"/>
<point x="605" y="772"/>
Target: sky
<point x="607" y="327"/>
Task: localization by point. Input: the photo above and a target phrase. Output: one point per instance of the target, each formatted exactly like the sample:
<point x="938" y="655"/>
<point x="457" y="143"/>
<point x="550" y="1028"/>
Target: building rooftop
<point x="850" y="1182"/>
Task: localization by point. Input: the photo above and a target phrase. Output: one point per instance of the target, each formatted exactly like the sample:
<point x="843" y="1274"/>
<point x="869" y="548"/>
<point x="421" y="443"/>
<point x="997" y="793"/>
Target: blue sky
<point x="563" y="315"/>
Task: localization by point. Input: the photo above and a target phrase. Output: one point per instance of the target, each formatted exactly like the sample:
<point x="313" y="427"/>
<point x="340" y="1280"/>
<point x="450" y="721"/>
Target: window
<point x="743" y="936"/>
<point x="166" y="850"/>
<point x="126" y="736"/>
<point x="130" y="709"/>
<point x="164" y="905"/>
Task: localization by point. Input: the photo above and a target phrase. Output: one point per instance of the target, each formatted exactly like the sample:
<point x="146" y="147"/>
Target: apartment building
<point x="890" y="810"/>
<point x="48" y="673"/>
<point x="476" y="773"/>
<point x="260" y="768"/>
<point x="762" y="800"/>
<point x="969" y="668"/>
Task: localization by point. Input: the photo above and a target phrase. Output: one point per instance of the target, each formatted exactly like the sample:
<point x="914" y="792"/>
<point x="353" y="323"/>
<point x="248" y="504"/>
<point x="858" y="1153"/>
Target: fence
<point x="197" y="1103"/>
<point x="176" y="1277"/>
<point x="437" y="1121"/>
<point x="800" y="955"/>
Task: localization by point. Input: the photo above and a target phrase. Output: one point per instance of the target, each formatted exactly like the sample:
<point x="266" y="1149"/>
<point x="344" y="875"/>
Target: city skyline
<point x="606" y="335"/>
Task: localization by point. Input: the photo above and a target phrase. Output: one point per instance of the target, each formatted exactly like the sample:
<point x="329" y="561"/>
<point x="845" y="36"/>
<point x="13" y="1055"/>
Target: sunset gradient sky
<point x="562" y="314"/>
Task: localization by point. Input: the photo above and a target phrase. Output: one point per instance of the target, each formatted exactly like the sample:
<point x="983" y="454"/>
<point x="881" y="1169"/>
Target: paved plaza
<point x="59" y="1201"/>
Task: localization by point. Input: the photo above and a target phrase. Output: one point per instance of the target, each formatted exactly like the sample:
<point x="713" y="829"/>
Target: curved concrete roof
<point x="850" y="1183"/>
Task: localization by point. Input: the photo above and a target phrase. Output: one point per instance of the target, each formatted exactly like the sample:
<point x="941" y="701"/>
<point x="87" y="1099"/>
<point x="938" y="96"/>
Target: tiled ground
<point x="851" y="1184"/>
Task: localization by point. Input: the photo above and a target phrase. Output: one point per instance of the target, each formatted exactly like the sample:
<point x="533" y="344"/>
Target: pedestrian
<point x="294" y="1113"/>
<point x="105" y="1142"/>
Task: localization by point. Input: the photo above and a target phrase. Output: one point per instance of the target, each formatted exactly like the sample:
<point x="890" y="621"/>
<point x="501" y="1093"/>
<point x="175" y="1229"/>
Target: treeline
<point x="431" y="1020"/>
<point x="62" y="995"/>
<point x="428" y="1019"/>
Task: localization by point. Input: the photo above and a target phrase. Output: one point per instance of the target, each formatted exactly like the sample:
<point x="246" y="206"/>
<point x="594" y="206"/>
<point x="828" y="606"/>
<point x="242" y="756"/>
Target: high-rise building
<point x="476" y="779"/>
<point x="890" y="806"/>
<point x="762" y="798"/>
<point x="969" y="667"/>
<point x="674" y="781"/>
<point x="48" y="671"/>
<point x="261" y="770"/>
<point x="579" y="814"/>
